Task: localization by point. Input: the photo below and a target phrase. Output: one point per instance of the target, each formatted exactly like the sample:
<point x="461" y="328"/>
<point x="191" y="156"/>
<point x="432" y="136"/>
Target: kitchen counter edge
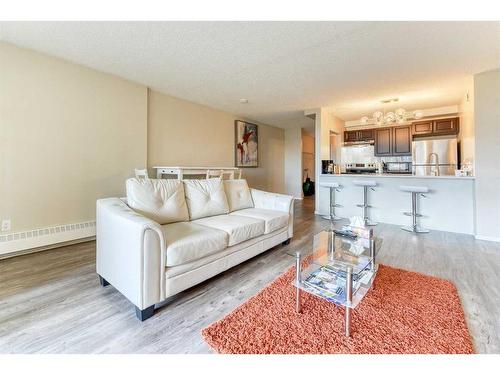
<point x="389" y="175"/>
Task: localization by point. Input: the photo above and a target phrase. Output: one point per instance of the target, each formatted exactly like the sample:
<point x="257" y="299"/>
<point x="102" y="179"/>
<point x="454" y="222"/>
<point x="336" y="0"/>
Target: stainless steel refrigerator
<point x="435" y="157"/>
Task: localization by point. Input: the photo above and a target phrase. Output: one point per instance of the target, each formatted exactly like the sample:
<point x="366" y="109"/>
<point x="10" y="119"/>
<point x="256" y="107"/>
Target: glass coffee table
<point x="341" y="269"/>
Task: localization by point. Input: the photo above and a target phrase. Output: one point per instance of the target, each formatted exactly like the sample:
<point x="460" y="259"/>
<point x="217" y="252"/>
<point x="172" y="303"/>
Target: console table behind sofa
<point x="180" y="172"/>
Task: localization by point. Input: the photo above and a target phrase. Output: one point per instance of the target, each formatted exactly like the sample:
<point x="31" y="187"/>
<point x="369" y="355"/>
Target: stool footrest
<point x="415" y="192"/>
<point x="412" y="214"/>
<point x="416" y="229"/>
<point x="364" y="205"/>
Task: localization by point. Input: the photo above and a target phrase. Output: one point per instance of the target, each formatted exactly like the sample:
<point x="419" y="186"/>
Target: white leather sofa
<point x="169" y="235"/>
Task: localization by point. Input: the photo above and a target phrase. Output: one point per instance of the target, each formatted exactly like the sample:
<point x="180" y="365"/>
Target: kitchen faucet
<point x="436" y="163"/>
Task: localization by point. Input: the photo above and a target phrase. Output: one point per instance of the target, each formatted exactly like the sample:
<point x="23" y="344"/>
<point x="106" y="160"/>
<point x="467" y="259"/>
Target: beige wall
<point x="330" y="123"/>
<point x="307" y="143"/>
<point x="487" y="129"/>
<point x="68" y="135"/>
<point x="467" y="133"/>
<point x="325" y="123"/>
<point x="271" y="173"/>
<point x="293" y="162"/>
<point x="189" y="134"/>
<point x="308" y="157"/>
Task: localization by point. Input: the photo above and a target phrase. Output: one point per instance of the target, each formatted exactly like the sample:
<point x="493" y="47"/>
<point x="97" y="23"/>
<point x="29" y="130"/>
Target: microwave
<point x="402" y="167"/>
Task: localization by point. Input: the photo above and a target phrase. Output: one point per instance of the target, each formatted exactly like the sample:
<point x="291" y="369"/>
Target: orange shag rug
<point x="406" y="312"/>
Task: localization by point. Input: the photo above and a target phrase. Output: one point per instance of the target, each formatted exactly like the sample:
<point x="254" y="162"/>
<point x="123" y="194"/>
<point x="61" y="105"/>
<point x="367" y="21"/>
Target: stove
<point x="361" y="168"/>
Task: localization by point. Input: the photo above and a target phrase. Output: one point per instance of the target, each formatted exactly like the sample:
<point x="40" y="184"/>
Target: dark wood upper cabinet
<point x="401" y="140"/>
<point x="350" y="136"/>
<point x="393" y="141"/>
<point x="446" y="126"/>
<point x="366" y="135"/>
<point x="396" y="140"/>
<point x="359" y="135"/>
<point x="422" y="127"/>
<point x="383" y="142"/>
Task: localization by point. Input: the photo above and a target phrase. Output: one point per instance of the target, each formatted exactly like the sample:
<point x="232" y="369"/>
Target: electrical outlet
<point x="5" y="225"/>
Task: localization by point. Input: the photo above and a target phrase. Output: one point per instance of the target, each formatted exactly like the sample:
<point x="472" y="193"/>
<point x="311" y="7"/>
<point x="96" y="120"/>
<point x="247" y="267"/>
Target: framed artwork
<point x="246" y="144"/>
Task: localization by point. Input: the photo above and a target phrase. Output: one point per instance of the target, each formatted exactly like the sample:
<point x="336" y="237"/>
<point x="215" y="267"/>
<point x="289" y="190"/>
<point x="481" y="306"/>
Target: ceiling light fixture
<point x="243" y="101"/>
<point x="399" y="116"/>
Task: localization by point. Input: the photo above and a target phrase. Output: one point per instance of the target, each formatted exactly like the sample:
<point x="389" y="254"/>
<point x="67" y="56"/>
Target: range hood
<point x="359" y="143"/>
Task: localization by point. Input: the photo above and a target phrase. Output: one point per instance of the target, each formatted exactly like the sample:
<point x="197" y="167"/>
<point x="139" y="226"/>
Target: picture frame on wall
<point x="246" y="144"/>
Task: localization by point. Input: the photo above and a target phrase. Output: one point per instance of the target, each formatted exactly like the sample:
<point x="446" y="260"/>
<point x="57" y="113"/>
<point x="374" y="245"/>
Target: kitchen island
<point x="449" y="205"/>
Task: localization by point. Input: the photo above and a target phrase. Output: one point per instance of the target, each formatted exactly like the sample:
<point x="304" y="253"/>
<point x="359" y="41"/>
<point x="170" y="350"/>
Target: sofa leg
<point x="103" y="281"/>
<point x="147" y="313"/>
<point x="287" y="242"/>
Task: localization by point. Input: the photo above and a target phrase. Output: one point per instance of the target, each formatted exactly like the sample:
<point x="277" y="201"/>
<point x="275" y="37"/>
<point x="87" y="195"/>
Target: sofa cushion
<point x="239" y="228"/>
<point x="273" y="219"/>
<point x="160" y="200"/>
<point x="205" y="198"/>
<point x="187" y="242"/>
<point x="238" y="194"/>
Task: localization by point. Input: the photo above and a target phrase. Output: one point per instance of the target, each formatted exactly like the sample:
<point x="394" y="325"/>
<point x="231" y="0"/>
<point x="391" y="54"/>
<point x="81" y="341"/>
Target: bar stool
<point x="365" y="206"/>
<point x="333" y="186"/>
<point x="415" y="192"/>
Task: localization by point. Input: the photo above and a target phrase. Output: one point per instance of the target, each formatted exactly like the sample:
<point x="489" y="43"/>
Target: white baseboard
<point x="487" y="238"/>
<point x="45" y="237"/>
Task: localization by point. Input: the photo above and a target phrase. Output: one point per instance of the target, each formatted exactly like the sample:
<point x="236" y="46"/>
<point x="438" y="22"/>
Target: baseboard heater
<point x="21" y="242"/>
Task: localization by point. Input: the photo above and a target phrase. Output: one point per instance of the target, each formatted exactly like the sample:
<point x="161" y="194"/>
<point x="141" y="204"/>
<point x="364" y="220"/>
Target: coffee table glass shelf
<point x="341" y="268"/>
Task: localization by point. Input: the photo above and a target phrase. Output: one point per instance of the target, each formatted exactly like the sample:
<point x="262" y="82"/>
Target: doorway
<point x="308" y="163"/>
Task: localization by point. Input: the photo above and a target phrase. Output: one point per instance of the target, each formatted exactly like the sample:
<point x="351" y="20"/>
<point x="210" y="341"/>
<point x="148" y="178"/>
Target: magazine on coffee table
<point x="330" y="285"/>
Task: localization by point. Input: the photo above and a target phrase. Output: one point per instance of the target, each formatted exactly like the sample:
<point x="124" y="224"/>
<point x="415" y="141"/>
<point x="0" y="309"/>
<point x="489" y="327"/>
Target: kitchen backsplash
<point x="394" y="159"/>
<point x="365" y="154"/>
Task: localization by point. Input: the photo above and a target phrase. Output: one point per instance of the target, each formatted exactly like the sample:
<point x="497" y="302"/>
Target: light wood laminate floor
<point x="51" y="302"/>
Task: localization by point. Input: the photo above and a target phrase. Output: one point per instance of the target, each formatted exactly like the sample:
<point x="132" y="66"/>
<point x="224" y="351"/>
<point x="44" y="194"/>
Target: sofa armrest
<point x="130" y="252"/>
<point x="271" y="201"/>
<point x="274" y="201"/>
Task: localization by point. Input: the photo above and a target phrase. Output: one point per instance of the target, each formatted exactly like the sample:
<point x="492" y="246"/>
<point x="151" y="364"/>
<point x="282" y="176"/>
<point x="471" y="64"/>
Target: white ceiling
<point x="282" y="68"/>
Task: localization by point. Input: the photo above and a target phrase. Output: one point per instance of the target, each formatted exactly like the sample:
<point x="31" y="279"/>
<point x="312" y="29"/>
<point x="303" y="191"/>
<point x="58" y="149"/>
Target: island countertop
<point x="448" y="206"/>
<point x="393" y="175"/>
